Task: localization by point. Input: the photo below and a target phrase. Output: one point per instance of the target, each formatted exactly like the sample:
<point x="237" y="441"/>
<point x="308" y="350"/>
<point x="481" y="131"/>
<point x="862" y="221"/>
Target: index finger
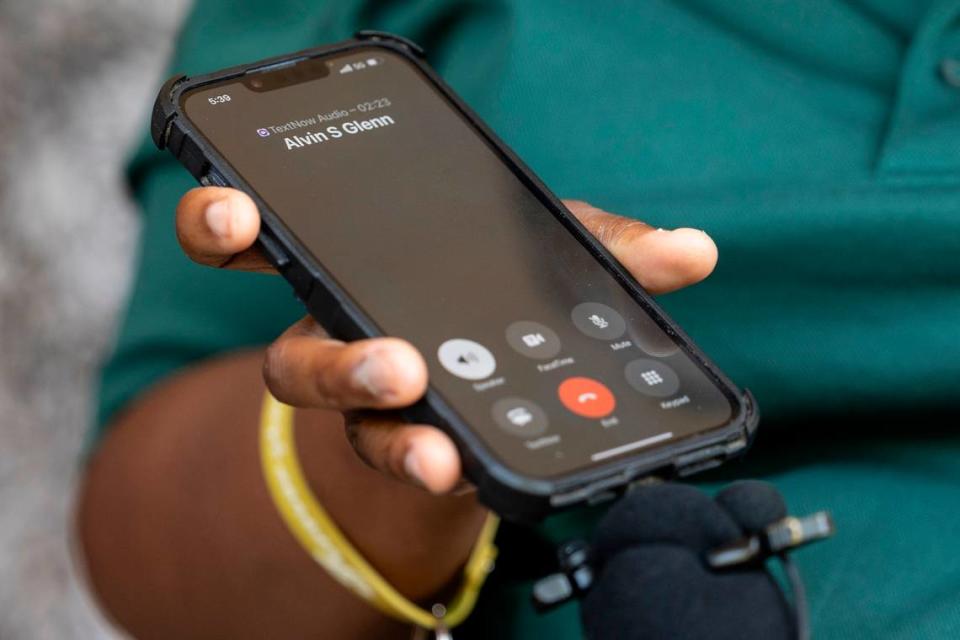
<point x="218" y="227"/>
<point x="662" y="261"/>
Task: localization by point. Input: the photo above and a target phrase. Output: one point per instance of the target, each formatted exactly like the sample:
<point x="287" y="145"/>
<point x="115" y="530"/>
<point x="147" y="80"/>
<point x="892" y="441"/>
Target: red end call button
<point x="586" y="397"/>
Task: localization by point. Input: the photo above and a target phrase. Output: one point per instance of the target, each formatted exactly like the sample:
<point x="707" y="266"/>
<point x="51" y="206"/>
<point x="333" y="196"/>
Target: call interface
<point x="530" y="339"/>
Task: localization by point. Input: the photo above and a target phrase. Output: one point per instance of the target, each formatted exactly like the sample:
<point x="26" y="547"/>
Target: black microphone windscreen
<point x="664" y="591"/>
<point x="753" y="504"/>
<point x="667" y="513"/>
<point x="652" y="580"/>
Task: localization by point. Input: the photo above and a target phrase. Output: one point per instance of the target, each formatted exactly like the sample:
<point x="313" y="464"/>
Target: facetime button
<point x="533" y="340"/>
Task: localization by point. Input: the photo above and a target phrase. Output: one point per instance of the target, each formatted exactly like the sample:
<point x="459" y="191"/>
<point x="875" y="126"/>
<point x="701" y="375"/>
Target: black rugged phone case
<point x="512" y="495"/>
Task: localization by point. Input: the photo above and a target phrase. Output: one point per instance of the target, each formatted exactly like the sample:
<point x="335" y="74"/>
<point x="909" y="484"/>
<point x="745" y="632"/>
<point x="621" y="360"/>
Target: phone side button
<point x="212" y="178"/>
<point x="275" y="254"/>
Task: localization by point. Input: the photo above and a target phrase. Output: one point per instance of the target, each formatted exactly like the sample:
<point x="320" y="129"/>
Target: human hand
<point x="306" y="368"/>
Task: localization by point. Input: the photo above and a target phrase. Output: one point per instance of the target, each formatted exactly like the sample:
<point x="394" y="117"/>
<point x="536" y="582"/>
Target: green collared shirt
<point x="817" y="141"/>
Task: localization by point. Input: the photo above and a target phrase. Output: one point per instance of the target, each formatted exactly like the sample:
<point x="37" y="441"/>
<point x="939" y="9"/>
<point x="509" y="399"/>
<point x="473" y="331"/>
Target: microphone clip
<point x="577" y="572"/>
<point x="572" y="581"/>
<point x="776" y="539"/>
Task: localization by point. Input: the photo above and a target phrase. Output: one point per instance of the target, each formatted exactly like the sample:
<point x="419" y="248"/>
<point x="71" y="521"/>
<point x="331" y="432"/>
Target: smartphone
<point x="393" y="210"/>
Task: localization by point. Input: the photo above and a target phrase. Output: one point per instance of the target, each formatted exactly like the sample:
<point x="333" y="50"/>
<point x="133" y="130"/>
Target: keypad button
<point x="652" y="378"/>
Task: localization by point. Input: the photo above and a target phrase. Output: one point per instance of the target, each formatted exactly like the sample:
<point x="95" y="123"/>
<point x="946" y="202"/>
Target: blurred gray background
<point x="77" y="78"/>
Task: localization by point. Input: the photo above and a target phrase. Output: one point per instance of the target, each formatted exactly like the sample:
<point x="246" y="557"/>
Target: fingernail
<point x="217" y="216"/>
<point x="411" y="466"/>
<point x="372" y="376"/>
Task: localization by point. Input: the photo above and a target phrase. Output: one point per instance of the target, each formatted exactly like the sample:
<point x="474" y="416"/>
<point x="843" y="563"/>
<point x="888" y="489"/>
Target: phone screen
<point x="416" y="215"/>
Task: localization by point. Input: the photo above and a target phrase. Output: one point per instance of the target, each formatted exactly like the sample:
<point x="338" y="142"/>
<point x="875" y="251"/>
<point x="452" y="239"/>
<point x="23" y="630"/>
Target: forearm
<point x="182" y="539"/>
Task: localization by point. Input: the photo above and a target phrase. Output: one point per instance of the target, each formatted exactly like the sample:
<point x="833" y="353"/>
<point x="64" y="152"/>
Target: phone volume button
<point x="212" y="178"/>
<point x="274" y="252"/>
